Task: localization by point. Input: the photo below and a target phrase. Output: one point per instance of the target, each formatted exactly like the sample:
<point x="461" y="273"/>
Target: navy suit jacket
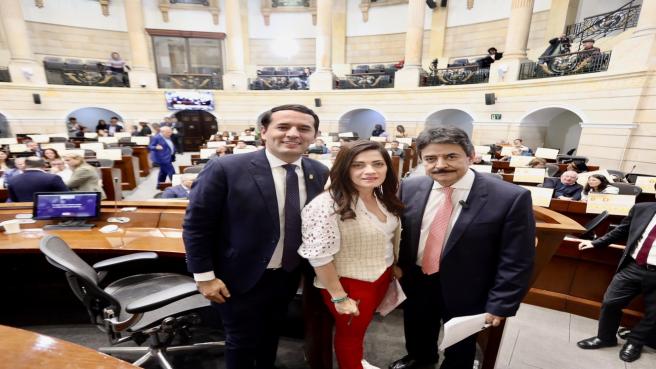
<point x="163" y="156"/>
<point x="175" y="192"/>
<point x="487" y="261"/>
<point x="23" y="186"/>
<point x="631" y="229"/>
<point x="560" y="189"/>
<point x="232" y="225"/>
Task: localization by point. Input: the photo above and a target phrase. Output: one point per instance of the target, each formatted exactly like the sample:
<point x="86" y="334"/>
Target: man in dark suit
<point x="34" y="179"/>
<point x="467" y="247"/>
<point x="635" y="274"/>
<point x="242" y="231"/>
<point x="566" y="187"/>
<point x="162" y="153"/>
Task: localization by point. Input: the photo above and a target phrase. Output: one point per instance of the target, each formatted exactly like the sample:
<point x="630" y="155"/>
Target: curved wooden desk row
<point x="506" y="168"/>
<point x="29" y="350"/>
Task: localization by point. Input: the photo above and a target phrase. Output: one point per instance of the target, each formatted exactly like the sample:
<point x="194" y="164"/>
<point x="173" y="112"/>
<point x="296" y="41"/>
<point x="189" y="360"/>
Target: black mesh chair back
<point x="552" y="169"/>
<point x="627" y="188"/>
<point x="592" y="225"/>
<point x="631" y="177"/>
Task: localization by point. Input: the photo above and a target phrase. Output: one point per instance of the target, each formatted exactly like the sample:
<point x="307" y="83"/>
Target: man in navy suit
<point x="34" y="179"/>
<point x="162" y="153"/>
<point x="566" y="187"/>
<point x="180" y="191"/>
<point x="242" y="231"/>
<point x="467" y="247"/>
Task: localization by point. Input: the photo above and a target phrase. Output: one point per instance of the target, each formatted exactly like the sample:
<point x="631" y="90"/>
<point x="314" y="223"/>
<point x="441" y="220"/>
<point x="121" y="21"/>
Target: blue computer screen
<point x="66" y="205"/>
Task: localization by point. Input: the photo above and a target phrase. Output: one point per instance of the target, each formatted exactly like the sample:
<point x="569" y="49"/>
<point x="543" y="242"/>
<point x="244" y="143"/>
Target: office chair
<point x="552" y="169"/>
<point x="156" y="307"/>
<point x="193" y="169"/>
<point x="627" y="188"/>
<point x="591" y="226"/>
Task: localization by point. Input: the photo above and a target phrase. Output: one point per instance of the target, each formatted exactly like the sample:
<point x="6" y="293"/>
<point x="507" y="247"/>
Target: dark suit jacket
<point x="175" y="192"/>
<point x="163" y="156"/>
<point x="487" y="261"/>
<point x="631" y="228"/>
<point x="23" y="186"/>
<point x="573" y="191"/>
<point x="231" y="225"/>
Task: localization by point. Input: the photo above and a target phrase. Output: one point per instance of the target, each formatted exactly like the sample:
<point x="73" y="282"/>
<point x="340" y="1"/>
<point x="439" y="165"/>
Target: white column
<point x="408" y="77"/>
<point x="23" y="66"/>
<point x="519" y="25"/>
<point x="142" y="74"/>
<point x="638" y="52"/>
<point x="322" y="78"/>
<point x="235" y="76"/>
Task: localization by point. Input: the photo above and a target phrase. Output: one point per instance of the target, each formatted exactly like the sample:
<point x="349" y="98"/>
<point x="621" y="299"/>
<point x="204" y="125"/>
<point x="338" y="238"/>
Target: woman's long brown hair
<point x="343" y="190"/>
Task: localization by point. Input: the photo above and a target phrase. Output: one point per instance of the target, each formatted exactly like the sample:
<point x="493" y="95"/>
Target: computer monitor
<point x="72" y="209"/>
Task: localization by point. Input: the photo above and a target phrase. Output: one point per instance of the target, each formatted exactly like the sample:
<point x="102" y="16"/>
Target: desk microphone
<point x="117" y="219"/>
<point x="632" y="168"/>
<point x="464" y="204"/>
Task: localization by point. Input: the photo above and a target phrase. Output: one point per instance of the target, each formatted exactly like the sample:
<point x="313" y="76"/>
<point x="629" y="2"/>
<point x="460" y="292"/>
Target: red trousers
<point x="350" y="330"/>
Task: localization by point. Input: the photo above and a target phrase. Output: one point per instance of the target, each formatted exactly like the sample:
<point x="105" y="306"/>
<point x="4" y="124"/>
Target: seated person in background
<point x="515" y="152"/>
<point x="495" y="149"/>
<point x="400" y="132"/>
<point x="598" y="183"/>
<point x="34" y="148"/>
<point x="180" y="191"/>
<point x="34" y="179"/>
<point x="334" y="150"/>
<point x="478" y="160"/>
<point x="221" y="151"/>
<point x="102" y="125"/>
<point x="114" y="126"/>
<point x="318" y="147"/>
<point x="49" y="155"/>
<point x="578" y="166"/>
<point x="537" y="163"/>
<point x="19" y="167"/>
<point x="59" y="168"/>
<point x="80" y="131"/>
<point x="519" y="143"/>
<point x="566" y="187"/>
<point x="493" y="55"/>
<point x="5" y="162"/>
<point x="241" y="145"/>
<point x="557" y="46"/>
<point x="378" y="131"/>
<point x="144" y="130"/>
<point x="589" y="50"/>
<point x="396" y="150"/>
<point x="84" y="176"/>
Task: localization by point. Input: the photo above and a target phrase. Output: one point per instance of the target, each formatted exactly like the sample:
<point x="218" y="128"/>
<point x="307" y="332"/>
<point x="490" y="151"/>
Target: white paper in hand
<point x="393" y="298"/>
<point x="457" y="329"/>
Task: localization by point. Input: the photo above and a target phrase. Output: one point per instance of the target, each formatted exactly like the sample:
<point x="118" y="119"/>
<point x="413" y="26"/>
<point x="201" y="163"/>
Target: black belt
<point x="649" y="267"/>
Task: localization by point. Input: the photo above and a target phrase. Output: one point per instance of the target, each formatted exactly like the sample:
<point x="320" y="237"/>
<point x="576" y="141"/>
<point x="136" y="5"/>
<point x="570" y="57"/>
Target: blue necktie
<point x="292" y="241"/>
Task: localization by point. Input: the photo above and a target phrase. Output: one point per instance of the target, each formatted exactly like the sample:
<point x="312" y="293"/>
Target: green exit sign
<point x="495" y="116"/>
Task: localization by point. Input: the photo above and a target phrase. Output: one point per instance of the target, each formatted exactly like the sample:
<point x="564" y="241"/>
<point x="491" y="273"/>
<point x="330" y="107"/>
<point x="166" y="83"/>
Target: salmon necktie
<point x="436" y="236"/>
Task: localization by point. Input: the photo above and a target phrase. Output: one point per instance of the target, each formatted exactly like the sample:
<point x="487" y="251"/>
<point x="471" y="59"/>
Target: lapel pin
<point x="311" y="176"/>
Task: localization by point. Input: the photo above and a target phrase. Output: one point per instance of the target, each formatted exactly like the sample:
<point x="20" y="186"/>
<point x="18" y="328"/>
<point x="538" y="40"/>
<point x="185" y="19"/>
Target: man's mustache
<point x="441" y="171"/>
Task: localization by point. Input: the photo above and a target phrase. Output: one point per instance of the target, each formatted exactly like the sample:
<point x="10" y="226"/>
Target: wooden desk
<point x="506" y="168"/>
<point x="29" y="350"/>
<point x="141" y="152"/>
<point x="128" y="179"/>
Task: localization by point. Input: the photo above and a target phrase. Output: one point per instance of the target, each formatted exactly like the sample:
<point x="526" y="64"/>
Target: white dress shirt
<point x="279" y="181"/>
<point x="435" y="200"/>
<point x="651" y="258"/>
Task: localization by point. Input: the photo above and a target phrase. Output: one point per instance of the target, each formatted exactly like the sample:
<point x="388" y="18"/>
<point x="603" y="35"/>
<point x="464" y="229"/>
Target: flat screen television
<point x="189" y="100"/>
<point x="73" y="208"/>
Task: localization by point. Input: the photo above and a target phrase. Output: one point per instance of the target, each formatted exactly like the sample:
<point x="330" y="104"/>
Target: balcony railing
<point x="567" y="64"/>
<point x="4" y="75"/>
<point x="601" y="25"/>
<point x="464" y="75"/>
<point x="78" y="74"/>
<point x="365" y="80"/>
<point x="191" y="81"/>
<point x="280" y="82"/>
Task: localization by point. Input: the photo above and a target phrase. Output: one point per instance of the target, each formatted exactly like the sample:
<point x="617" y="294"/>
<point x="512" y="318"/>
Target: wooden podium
<point x="551" y="228"/>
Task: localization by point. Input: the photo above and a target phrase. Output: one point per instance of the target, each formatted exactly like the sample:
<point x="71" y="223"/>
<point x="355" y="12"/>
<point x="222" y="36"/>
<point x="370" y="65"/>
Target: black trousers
<point x="423" y="312"/>
<point x="252" y="321"/>
<point x="628" y="283"/>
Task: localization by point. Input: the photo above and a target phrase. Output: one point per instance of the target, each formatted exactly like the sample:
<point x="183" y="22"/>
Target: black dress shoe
<point x="630" y="352"/>
<point x="407" y="362"/>
<point x="594" y="343"/>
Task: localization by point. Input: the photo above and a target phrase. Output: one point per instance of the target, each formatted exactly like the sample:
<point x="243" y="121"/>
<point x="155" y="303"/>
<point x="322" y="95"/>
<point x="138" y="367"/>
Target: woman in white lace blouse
<point x="351" y="237"/>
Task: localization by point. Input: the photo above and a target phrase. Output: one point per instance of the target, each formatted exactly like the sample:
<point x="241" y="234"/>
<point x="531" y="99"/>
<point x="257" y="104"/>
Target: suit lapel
<point x="421" y="197"/>
<point x="313" y="185"/>
<point x="261" y="172"/>
<point x="644" y="222"/>
<point x="476" y="200"/>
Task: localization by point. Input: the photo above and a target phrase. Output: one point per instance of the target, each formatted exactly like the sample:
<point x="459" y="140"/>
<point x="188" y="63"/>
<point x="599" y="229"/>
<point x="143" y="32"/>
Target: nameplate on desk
<point x="120" y="135"/>
<point x="378" y="139"/>
<point x="140" y="140"/>
<point x="541" y="196"/>
<point x="108" y="140"/>
<point x="646" y="183"/>
<point x="8" y="141"/>
<point x="481" y="150"/>
<point x="39" y="138"/>
<point x="111" y="154"/>
<point x="62" y="135"/>
<point x="93" y="146"/>
<point x="247" y="138"/>
<point x="91" y="135"/>
<point x="506" y="150"/>
<point x="614" y="204"/>
<point x="326" y="139"/>
<point x="404" y="140"/>
<point x="206" y="153"/>
<point x="583" y="177"/>
<point x="481" y="168"/>
<point x="543" y="152"/>
<point x="215" y="144"/>
<point x="529" y="175"/>
<point x="346" y="134"/>
<point x="520" y="161"/>
<point x="59" y="146"/>
<point x="73" y="152"/>
<point x="18" y="148"/>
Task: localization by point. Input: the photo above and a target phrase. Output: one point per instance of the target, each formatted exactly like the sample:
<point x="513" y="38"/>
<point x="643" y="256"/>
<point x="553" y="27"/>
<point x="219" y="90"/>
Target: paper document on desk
<point x="457" y="329"/>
